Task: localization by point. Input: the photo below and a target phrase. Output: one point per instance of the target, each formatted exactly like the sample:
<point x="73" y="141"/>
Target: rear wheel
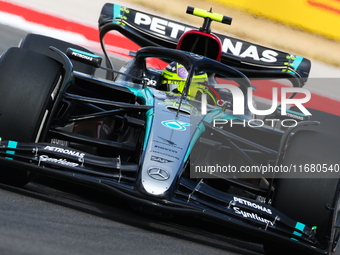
<point x="309" y="201"/>
<point x="27" y="81"/>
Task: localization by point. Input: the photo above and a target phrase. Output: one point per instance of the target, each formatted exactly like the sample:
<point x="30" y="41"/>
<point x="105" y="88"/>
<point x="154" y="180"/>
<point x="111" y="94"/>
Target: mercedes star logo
<point x="158" y="174"/>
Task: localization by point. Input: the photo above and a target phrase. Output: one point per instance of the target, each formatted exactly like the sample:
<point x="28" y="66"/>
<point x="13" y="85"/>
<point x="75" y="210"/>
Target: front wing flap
<point x="114" y="176"/>
<point x="67" y="159"/>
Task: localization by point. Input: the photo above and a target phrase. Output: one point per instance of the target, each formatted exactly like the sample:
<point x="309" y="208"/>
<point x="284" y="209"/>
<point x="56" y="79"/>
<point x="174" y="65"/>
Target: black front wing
<point x="188" y="197"/>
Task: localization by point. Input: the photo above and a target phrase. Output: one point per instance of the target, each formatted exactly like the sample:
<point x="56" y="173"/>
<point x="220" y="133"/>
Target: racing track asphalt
<point x="52" y="217"/>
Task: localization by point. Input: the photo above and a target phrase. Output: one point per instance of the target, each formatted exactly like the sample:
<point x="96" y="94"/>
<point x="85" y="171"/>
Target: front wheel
<point x="41" y="44"/>
<point x="28" y="81"/>
<point x="310" y="201"/>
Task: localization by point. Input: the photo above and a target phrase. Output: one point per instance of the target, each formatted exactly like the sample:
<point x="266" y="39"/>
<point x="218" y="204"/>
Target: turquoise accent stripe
<point x="149" y="118"/>
<point x="300" y="226"/>
<point x="297" y="62"/>
<point x="293" y="112"/>
<point x="147" y="95"/>
<point x="13" y="145"/>
<point x="200" y="129"/>
<point x="148" y="99"/>
<point x="116" y="11"/>
<point x="85" y="53"/>
<point x="297" y="233"/>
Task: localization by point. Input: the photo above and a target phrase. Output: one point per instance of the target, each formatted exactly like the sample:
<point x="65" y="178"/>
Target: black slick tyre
<point x="309" y="200"/>
<point x="27" y="81"/>
<point x="41" y="44"/>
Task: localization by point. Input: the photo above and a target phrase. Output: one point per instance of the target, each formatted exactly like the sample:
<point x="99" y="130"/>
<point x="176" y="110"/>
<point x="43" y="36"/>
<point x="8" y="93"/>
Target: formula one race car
<point x="188" y="126"/>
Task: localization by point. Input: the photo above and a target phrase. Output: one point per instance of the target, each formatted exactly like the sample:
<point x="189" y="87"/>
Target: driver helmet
<point x="174" y="76"/>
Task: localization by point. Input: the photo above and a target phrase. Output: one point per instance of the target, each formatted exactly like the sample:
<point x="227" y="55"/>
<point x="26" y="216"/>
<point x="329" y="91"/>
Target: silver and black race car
<point x="192" y="125"/>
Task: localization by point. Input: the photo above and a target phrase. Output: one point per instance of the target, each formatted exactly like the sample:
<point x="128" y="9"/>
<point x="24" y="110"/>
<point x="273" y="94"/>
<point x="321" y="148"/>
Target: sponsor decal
<point x="252" y="51"/>
<point x="168" y="144"/>
<point x="160" y="160"/>
<point x="59" y="142"/>
<point x="294" y="116"/>
<point x="45" y="158"/>
<point x="252" y="205"/>
<point x="182" y="72"/>
<point x="165" y="149"/>
<point x="175" y="125"/>
<point x="263" y="200"/>
<point x="65" y="151"/>
<point x="82" y="56"/>
<point x="168" y="141"/>
<point x="165" y="154"/>
<point x="161" y="26"/>
<point x="229" y="45"/>
<point x="252" y="216"/>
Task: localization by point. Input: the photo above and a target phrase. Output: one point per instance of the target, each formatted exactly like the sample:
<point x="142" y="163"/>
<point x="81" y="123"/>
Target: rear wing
<point x="252" y="59"/>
